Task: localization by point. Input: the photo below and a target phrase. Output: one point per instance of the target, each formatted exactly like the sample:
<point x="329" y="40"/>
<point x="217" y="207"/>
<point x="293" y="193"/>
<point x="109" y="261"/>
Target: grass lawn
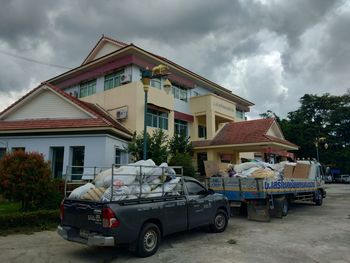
<point x="9" y="207"/>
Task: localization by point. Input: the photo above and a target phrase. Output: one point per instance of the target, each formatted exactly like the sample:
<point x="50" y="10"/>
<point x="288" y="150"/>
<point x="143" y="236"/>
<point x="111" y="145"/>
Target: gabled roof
<point x="89" y="63"/>
<point x="100" y="44"/>
<point x="99" y="117"/>
<point x="246" y="132"/>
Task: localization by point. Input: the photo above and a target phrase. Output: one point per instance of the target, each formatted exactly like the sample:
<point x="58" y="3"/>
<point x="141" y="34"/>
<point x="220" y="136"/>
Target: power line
<point x="33" y="60"/>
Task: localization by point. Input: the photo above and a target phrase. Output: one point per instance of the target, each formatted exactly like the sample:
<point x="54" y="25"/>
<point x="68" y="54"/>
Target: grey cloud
<point x="207" y="37"/>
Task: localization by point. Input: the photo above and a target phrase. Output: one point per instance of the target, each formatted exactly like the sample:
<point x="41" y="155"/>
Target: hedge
<point x="34" y="218"/>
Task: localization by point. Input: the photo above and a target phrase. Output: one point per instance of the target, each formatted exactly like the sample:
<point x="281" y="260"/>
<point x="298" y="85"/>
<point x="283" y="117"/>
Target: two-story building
<point x="210" y="114"/>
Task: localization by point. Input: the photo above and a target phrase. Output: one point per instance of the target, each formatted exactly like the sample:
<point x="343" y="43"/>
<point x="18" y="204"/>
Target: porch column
<point x="210" y="122"/>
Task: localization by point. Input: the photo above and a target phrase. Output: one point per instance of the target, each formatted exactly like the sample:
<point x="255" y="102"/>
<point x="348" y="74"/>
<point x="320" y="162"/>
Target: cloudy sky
<point x="270" y="52"/>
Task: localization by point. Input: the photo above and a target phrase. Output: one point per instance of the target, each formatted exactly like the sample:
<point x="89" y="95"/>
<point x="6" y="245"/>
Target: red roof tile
<point x="253" y="131"/>
<point x="50" y="124"/>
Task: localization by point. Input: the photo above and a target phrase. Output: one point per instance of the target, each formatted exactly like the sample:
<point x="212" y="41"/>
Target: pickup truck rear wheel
<point x="149" y="240"/>
<point x="318" y="198"/>
<point x="220" y="222"/>
<point x="285" y="207"/>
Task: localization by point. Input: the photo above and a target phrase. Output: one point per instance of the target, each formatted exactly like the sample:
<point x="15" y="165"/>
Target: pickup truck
<point x="141" y="223"/>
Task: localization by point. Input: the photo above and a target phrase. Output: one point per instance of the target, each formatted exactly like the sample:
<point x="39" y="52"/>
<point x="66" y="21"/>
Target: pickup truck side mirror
<point x="211" y="191"/>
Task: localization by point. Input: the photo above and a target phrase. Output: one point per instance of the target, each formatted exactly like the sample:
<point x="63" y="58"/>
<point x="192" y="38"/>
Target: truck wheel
<point x="285" y="207"/>
<point x="318" y="199"/>
<point x="220" y="222"/>
<point x="149" y="240"/>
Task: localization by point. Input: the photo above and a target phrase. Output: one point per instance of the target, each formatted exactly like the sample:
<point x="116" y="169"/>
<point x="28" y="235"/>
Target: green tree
<point x="157" y="146"/>
<point x="326" y="116"/>
<point x="180" y="143"/>
<point x="158" y="151"/>
<point x="184" y="160"/>
<point x="25" y="177"/>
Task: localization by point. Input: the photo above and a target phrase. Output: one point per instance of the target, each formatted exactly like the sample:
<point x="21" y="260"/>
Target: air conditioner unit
<point x="125" y="78"/>
<point x="122" y="113"/>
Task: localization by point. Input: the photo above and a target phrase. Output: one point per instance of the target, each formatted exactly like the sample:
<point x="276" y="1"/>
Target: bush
<point x="54" y="196"/>
<point x="25" y="177"/>
<point x="184" y="160"/>
<point x="34" y="218"/>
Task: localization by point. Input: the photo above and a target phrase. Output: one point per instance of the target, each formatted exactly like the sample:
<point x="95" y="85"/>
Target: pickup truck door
<point x="199" y="204"/>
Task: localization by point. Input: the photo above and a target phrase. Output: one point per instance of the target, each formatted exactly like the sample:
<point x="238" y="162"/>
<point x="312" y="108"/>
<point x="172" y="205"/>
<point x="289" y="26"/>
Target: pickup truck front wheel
<point x="220" y="222"/>
<point x="149" y="240"/>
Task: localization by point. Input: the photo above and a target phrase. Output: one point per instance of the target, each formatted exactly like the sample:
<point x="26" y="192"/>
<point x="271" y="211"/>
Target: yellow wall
<point x="132" y="95"/>
<point x="210" y="110"/>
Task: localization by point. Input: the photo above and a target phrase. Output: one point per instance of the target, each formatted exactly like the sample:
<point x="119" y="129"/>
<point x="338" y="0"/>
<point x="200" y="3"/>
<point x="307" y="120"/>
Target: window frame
<point x="87" y="88"/>
<point x="180" y="125"/>
<point x="179" y="92"/>
<point x="114" y="78"/>
<point x="157" y="119"/>
<point x="202" y="130"/>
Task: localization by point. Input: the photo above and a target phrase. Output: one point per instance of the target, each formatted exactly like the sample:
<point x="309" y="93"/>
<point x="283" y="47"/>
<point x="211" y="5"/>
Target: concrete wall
<point x="99" y="149"/>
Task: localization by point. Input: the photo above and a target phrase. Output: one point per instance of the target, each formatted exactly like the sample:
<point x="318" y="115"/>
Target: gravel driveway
<point x="308" y="234"/>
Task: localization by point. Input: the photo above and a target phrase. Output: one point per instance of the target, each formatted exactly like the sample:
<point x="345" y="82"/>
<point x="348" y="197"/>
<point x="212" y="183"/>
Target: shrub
<point x="184" y="160"/>
<point x="33" y="218"/>
<point x="25" y="177"/>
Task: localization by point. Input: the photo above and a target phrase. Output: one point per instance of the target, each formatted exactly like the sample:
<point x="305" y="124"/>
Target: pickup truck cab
<point x="141" y="223"/>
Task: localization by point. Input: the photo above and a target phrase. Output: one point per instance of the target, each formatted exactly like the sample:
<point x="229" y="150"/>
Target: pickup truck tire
<point x="318" y="198"/>
<point x="220" y="222"/>
<point x="285" y="207"/>
<point x="149" y="240"/>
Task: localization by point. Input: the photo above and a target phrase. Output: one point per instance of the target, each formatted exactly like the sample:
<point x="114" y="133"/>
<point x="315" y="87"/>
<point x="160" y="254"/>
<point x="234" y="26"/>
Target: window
<point x="88" y="88"/>
<point x="195" y="93"/>
<point x="202" y="131"/>
<point x="2" y="152"/>
<point x="240" y="114"/>
<point x="195" y="188"/>
<point x="157" y="119"/>
<point x="113" y="80"/>
<point x="120" y="156"/>
<point x="179" y="93"/>
<point x="156" y="83"/>
<point x="15" y="149"/>
<point x="180" y="127"/>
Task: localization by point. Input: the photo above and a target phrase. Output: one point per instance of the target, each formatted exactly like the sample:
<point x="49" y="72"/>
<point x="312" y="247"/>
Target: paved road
<point x="307" y="234"/>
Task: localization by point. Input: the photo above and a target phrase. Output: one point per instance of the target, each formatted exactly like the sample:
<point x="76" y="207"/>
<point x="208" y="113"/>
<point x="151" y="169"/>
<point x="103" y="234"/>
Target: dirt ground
<point x="308" y="234"/>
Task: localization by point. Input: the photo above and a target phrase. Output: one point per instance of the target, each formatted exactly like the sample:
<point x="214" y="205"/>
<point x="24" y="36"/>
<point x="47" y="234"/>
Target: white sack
<point x="80" y="191"/>
<point x="135" y="189"/>
<point x="119" y="193"/>
<point x="168" y="187"/>
<point x="249" y="171"/>
<point x="239" y="168"/>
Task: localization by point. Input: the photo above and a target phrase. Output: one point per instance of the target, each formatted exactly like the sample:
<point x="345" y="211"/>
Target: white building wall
<point x="99" y="149"/>
<point x="47" y="105"/>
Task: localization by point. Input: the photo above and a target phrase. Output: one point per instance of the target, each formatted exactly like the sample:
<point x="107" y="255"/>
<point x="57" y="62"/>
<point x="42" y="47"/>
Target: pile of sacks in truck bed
<point x="138" y="180"/>
<point x="257" y="169"/>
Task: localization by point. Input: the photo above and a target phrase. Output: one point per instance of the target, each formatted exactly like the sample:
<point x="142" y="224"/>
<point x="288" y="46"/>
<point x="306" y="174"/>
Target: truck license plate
<point x="84" y="233"/>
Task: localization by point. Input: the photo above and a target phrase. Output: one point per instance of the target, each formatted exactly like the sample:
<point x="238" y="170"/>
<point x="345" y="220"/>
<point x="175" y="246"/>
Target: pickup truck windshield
<point x="194" y="188"/>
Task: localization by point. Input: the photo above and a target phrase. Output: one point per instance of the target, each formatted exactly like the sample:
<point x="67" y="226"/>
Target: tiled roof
<point x="244" y="132"/>
<point x="50" y="124"/>
<point x="100" y="117"/>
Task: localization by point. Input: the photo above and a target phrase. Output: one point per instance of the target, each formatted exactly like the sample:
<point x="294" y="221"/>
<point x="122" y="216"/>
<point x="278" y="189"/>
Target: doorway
<point x="201" y="157"/>
<point x="57" y="154"/>
<point x="77" y="162"/>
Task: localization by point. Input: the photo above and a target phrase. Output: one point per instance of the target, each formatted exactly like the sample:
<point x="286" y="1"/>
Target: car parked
<point x="343" y="179"/>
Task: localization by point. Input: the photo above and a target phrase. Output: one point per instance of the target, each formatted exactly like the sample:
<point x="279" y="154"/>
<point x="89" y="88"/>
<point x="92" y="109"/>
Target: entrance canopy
<point x="247" y="136"/>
